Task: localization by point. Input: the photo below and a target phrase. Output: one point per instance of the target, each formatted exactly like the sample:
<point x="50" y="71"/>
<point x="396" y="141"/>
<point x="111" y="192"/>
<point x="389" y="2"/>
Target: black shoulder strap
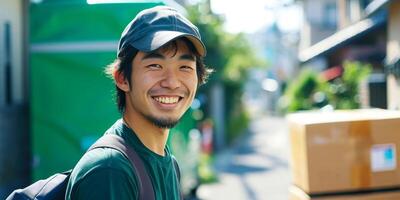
<point x="116" y="142"/>
<point x="178" y="173"/>
<point x="177" y="169"/>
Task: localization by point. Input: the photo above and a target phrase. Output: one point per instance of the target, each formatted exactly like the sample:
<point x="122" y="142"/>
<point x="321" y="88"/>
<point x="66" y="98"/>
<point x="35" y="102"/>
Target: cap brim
<point x="152" y="42"/>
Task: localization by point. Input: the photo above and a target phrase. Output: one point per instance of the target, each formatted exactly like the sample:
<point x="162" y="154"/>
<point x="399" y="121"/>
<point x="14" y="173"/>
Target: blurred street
<point x="292" y="55"/>
<point x="256" y="167"/>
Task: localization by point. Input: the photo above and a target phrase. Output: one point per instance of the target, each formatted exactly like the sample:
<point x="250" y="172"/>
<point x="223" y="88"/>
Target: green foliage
<point x="344" y="91"/>
<point x="239" y="122"/>
<point x="309" y="91"/>
<point x="300" y="93"/>
<point x="230" y="55"/>
<point x="205" y="170"/>
<point x="237" y="117"/>
<point x="210" y="27"/>
<point x="241" y="57"/>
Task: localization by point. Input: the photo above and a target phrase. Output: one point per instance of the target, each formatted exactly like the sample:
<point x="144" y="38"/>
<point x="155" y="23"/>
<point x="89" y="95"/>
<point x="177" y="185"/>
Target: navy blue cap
<point x="152" y="28"/>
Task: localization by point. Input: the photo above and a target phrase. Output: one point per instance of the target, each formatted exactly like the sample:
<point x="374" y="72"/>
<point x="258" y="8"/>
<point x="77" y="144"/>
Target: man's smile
<point x="167" y="99"/>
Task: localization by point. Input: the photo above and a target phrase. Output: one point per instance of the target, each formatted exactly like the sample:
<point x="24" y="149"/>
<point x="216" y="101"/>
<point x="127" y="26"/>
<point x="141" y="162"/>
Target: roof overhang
<point x="375" y="5"/>
<point x="342" y="37"/>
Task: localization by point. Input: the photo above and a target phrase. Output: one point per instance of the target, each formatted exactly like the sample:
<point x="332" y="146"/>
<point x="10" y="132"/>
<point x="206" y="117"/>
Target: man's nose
<point x="170" y="80"/>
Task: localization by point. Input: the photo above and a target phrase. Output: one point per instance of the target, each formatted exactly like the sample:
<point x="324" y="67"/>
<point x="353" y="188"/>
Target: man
<point x="157" y="72"/>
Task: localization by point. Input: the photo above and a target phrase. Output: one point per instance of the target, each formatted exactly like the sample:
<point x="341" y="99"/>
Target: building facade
<point x="360" y="35"/>
<point x="393" y="56"/>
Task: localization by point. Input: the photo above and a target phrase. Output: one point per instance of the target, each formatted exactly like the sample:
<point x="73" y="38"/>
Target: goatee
<point x="163" y="123"/>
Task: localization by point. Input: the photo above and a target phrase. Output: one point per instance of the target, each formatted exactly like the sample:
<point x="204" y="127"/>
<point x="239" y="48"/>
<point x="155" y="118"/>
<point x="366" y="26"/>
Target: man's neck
<point x="153" y="137"/>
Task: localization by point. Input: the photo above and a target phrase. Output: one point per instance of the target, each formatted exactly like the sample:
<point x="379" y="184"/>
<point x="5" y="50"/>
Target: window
<point x="330" y="17"/>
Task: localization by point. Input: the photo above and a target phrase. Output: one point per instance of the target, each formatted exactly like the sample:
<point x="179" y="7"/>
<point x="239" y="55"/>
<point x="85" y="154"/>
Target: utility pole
<point x="7" y="69"/>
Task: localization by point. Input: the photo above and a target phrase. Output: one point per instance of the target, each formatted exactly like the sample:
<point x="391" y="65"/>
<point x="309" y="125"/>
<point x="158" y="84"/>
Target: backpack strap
<point x="178" y="174"/>
<point x="116" y="142"/>
<point x="177" y="169"/>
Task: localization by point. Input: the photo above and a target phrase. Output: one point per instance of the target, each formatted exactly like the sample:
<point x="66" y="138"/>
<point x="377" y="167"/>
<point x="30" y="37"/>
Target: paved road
<point x="256" y="168"/>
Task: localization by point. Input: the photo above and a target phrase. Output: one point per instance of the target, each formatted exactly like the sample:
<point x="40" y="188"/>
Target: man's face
<point x="163" y="84"/>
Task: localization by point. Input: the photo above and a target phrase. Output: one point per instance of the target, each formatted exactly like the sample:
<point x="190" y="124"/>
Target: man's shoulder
<point x="102" y="173"/>
<point x="101" y="159"/>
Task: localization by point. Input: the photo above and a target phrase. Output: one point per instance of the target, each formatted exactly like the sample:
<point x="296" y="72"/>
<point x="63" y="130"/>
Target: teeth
<point x="167" y="100"/>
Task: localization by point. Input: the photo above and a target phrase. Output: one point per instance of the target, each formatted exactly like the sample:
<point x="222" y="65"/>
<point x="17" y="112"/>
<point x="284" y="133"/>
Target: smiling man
<point x="157" y="72"/>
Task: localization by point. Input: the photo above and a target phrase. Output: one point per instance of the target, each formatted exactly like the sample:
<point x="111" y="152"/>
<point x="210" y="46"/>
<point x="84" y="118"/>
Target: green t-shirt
<point x="105" y="173"/>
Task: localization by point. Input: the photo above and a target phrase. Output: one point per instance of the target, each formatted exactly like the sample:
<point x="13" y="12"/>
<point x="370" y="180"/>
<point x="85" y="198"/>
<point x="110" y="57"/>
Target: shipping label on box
<point x="383" y="157"/>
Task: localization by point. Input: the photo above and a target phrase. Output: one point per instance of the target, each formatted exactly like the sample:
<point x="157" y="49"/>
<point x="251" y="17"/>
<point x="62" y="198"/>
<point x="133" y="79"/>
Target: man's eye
<point x="154" y="66"/>
<point x="186" y="68"/>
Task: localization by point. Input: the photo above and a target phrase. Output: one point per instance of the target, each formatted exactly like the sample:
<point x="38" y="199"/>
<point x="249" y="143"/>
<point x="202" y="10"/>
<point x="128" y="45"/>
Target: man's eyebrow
<point x="187" y="57"/>
<point x="153" y="55"/>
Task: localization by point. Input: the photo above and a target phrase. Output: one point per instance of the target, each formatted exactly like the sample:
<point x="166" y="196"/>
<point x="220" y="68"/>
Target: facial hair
<point x="162" y="123"/>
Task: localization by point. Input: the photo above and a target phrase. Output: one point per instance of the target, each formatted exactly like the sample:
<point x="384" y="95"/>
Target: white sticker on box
<point x="383" y="157"/>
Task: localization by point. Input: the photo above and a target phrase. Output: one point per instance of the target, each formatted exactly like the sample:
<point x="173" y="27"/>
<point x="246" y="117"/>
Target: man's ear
<point x="121" y="82"/>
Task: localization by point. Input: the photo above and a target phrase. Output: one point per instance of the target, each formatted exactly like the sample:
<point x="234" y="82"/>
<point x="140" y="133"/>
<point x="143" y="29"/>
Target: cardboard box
<point x="296" y="193"/>
<point x="345" y="150"/>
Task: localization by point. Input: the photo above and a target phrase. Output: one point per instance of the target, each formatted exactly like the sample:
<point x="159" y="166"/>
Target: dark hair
<point x="123" y="64"/>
